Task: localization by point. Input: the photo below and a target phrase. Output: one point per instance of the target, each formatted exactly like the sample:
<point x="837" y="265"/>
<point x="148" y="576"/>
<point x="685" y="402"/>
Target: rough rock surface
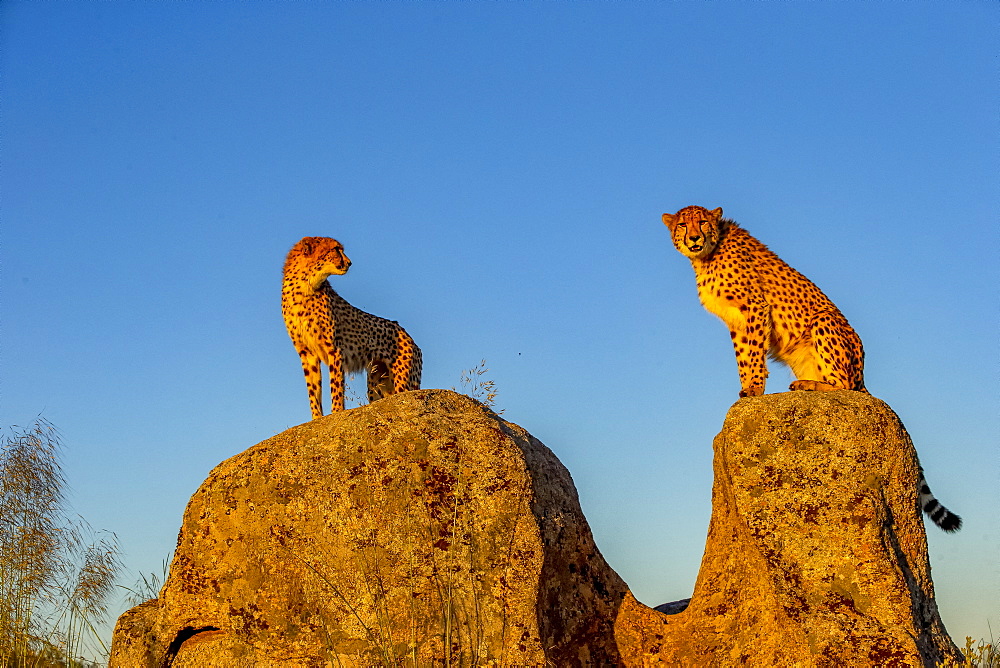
<point x="422" y="527"/>
<point x="424" y="530"/>
<point x="816" y="552"/>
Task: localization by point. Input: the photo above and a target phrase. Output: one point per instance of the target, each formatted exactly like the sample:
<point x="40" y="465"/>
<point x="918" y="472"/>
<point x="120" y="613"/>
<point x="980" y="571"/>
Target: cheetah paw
<point x="812" y="385"/>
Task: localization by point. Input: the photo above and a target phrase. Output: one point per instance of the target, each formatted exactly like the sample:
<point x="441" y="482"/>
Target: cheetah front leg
<point x="750" y="342"/>
<point x="336" y="364"/>
<point x="314" y="381"/>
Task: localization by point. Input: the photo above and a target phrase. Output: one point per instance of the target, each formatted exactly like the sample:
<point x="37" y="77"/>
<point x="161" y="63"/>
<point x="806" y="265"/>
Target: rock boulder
<point x="425" y="530"/>
<point x="816" y="552"/>
<point x="420" y="528"/>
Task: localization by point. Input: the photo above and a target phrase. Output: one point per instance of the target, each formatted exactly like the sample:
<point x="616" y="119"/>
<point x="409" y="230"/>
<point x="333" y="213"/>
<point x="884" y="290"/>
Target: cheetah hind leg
<point x="408" y="365"/>
<point x="833" y="361"/>
<point x="379" y="381"/>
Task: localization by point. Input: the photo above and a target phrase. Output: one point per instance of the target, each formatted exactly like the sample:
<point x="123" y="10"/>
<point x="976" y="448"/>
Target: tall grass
<point x="980" y="654"/>
<point x="55" y="575"/>
<point x="147" y="587"/>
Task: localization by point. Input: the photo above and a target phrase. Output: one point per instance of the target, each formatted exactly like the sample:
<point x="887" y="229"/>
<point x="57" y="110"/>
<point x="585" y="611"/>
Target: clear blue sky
<point x="497" y="171"/>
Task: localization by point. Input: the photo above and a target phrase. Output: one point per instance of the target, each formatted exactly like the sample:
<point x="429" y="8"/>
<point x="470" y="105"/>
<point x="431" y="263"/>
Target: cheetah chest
<point x="309" y="323"/>
<point x="733" y="301"/>
<point x="724" y="300"/>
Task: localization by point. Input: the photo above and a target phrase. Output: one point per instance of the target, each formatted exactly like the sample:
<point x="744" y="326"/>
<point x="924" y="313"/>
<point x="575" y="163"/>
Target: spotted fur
<point x="325" y="329"/>
<point x="773" y="310"/>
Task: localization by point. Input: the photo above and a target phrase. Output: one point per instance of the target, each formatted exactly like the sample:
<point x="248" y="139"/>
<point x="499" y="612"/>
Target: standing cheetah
<point x="327" y="330"/>
<point x="771" y="309"/>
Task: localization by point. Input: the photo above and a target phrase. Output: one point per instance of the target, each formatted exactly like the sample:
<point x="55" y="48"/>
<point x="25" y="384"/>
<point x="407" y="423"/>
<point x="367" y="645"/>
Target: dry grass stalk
<point x="481" y="389"/>
<point x="53" y="583"/>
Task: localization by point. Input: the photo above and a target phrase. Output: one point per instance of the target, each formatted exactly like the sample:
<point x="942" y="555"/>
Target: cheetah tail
<point x="941" y="516"/>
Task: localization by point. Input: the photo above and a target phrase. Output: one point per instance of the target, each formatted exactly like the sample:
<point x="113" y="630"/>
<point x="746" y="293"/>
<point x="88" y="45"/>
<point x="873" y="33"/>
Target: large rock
<point x="816" y="552"/>
<point x="422" y="527"/>
<point x="425" y="530"/>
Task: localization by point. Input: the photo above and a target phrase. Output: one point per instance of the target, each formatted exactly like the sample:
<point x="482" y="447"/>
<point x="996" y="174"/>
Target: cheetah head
<point x="694" y="230"/>
<point x="318" y="258"/>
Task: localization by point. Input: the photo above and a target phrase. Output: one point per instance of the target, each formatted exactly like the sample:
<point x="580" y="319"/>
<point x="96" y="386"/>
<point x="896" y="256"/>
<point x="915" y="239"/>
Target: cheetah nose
<point x="694" y="240"/>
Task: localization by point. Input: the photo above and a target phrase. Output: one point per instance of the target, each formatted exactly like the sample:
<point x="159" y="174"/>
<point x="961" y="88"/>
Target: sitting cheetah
<point x="326" y="329"/>
<point x="771" y="309"/>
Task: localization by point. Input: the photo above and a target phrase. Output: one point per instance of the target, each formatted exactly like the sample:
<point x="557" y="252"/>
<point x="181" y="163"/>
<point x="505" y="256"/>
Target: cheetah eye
<point x="682" y="224"/>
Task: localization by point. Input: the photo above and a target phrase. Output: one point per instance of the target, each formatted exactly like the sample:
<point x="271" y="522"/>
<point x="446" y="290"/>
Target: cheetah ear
<point x="669" y="220"/>
<point x="717" y="213"/>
